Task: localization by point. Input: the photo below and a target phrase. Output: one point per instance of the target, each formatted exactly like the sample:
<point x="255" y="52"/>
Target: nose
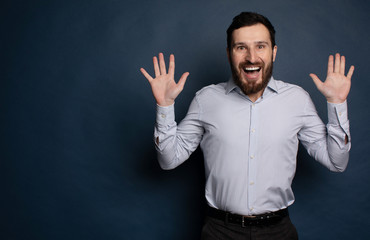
<point x="251" y="56"/>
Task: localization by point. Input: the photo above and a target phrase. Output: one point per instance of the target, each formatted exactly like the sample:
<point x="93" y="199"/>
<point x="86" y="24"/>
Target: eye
<point x="240" y="48"/>
<point x="261" y="46"/>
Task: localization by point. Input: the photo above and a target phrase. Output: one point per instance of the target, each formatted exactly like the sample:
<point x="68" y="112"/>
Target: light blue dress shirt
<point x="250" y="148"/>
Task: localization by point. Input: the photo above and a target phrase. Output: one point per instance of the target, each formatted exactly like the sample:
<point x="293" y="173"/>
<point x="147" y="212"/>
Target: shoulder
<point x="211" y="90"/>
<point x="211" y="95"/>
<point x="291" y="94"/>
<point x="290" y="89"/>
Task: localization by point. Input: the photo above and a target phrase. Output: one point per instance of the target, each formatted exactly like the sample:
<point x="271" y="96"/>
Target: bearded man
<point x="249" y="129"/>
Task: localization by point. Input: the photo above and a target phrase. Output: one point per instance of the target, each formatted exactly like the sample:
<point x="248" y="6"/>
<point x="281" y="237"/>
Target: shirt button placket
<point x="252" y="165"/>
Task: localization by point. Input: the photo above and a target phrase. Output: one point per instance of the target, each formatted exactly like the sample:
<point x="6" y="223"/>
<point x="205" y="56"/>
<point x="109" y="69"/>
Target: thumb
<point x="316" y="80"/>
<point x="182" y="80"/>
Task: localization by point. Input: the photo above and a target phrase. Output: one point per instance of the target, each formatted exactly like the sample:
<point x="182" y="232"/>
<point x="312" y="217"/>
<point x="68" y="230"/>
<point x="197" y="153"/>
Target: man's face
<point x="251" y="58"/>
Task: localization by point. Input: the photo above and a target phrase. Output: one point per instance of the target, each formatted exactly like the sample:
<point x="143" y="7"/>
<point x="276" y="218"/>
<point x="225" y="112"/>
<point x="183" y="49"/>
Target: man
<point x="248" y="129"/>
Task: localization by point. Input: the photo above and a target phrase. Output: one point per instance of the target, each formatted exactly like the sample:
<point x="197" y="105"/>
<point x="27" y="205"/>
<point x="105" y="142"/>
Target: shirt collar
<point x="230" y="86"/>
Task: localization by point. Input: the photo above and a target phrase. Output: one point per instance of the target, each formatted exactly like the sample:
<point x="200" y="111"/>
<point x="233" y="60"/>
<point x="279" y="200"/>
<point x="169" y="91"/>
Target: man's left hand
<point x="337" y="85"/>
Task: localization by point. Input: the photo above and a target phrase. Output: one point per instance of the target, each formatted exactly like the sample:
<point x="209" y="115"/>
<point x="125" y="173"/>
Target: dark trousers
<point x="215" y="229"/>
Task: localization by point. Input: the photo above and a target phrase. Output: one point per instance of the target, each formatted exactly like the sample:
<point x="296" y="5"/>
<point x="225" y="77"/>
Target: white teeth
<point x="252" y="68"/>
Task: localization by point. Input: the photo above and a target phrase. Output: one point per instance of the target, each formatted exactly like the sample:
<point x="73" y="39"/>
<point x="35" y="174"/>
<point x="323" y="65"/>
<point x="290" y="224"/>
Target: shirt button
<point x="252" y="157"/>
<point x="253" y="130"/>
<point x="163" y="115"/>
<point x="340" y="113"/>
<point x="251" y="183"/>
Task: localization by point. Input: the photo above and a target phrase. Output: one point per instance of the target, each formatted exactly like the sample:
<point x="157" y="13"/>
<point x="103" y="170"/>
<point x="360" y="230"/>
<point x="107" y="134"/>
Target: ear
<point x="274" y="51"/>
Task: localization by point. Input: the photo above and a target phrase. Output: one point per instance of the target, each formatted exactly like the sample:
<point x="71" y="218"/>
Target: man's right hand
<point x="164" y="87"/>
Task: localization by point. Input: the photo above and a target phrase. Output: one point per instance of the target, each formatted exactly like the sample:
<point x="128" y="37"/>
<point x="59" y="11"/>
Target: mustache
<point x="251" y="64"/>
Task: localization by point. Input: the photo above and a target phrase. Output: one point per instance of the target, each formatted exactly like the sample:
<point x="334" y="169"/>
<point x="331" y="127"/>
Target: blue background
<point x="77" y="159"/>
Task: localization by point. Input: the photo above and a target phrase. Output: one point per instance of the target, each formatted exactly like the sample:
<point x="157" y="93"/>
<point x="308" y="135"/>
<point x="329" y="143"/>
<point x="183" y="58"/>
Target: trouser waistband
<point x="243" y="221"/>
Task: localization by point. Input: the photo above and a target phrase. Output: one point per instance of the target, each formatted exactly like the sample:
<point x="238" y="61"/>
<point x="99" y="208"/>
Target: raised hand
<point x="337" y="85"/>
<point x="164" y="87"/>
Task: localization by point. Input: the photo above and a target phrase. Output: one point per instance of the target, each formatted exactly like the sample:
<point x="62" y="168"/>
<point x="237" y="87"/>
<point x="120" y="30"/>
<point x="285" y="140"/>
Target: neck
<point x="255" y="96"/>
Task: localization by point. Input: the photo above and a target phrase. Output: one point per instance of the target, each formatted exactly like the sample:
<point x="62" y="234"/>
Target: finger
<point x="146" y="74"/>
<point x="316" y="80"/>
<point x="342" y="65"/>
<point x="350" y="72"/>
<point x="330" y="64"/>
<point x="162" y="64"/>
<point x="171" y="68"/>
<point x="337" y="63"/>
<point x="156" y="67"/>
<point x="182" y="80"/>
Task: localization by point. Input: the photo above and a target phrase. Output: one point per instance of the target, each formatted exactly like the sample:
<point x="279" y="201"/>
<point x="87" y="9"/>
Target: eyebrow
<point x="243" y="43"/>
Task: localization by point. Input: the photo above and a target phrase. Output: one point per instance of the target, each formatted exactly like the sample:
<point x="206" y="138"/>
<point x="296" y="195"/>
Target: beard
<point x="251" y="87"/>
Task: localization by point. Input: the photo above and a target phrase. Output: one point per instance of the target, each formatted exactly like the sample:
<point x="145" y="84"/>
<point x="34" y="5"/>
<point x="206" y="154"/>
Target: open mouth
<point x="252" y="72"/>
<point x="251" y="69"/>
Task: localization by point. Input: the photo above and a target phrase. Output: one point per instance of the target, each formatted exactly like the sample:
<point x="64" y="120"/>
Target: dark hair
<point x="248" y="19"/>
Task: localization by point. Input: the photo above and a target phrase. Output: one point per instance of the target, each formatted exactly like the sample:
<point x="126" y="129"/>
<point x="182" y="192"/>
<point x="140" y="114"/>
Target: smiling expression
<point x="251" y="59"/>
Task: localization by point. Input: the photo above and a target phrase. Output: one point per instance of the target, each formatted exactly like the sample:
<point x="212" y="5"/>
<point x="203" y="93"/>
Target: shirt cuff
<point x="165" y="115"/>
<point x="338" y="113"/>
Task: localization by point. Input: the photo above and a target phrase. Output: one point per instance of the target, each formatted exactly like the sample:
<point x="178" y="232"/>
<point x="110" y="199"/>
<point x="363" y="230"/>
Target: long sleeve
<point x="250" y="148"/>
<point x="174" y="143"/>
<point x="328" y="146"/>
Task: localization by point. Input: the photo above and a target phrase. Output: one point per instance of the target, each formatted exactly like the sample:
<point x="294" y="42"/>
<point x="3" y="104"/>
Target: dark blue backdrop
<point x="76" y="116"/>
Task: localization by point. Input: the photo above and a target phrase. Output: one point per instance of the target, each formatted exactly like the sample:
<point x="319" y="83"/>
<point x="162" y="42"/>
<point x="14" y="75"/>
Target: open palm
<point x="164" y="87"/>
<point x="337" y="85"/>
